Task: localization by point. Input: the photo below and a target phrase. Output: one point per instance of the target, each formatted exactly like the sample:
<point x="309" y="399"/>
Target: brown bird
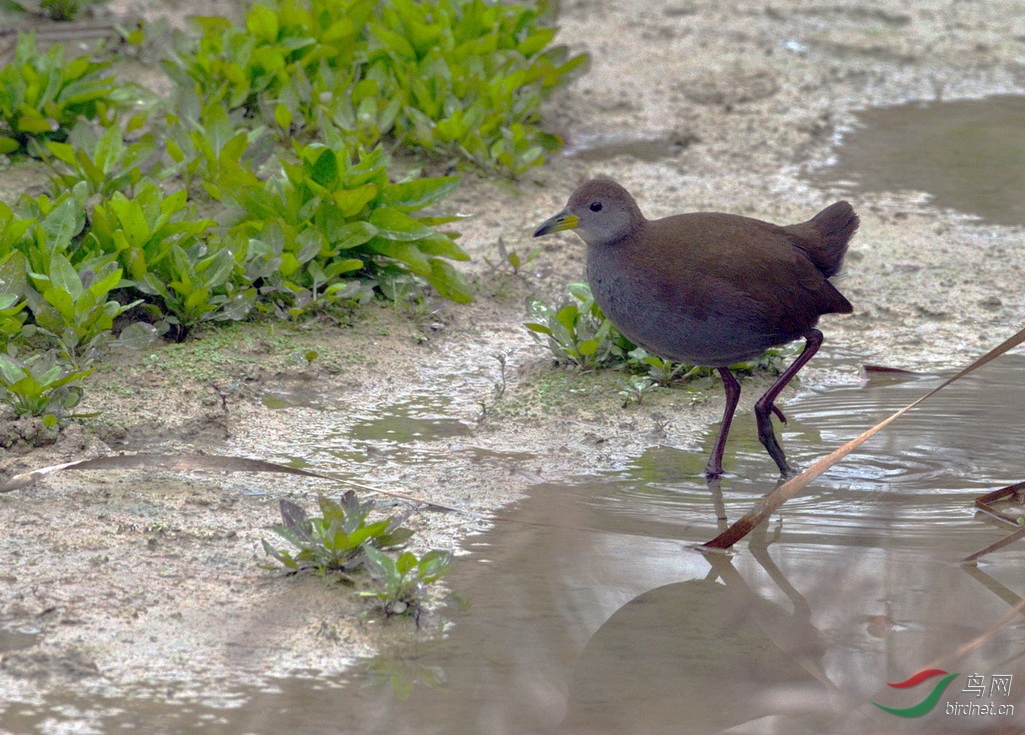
<point x="711" y="289"/>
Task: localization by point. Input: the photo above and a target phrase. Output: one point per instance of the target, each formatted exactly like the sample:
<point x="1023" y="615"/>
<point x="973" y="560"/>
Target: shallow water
<point x="15" y="640"/>
<point x="597" y="149"/>
<point x="969" y="155"/>
<point x="590" y="611"/>
<point x="605" y="620"/>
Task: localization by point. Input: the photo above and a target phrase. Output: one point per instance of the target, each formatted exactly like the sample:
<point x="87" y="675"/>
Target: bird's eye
<point x="595" y="206"/>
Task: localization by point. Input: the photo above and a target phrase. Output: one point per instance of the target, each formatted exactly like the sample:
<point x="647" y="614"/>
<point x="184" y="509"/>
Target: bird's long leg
<point x="764" y="408"/>
<point x="714" y="468"/>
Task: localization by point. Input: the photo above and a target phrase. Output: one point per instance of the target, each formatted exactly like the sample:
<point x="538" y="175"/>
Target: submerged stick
<point x="208" y="462"/>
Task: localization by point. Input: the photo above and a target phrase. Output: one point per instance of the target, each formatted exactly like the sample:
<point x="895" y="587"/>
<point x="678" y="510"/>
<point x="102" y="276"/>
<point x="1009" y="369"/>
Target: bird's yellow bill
<point x="558" y="223"/>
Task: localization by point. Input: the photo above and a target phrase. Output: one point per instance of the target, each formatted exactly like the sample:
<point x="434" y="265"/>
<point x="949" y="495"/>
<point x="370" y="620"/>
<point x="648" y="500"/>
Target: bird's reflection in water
<point x="708" y="653"/>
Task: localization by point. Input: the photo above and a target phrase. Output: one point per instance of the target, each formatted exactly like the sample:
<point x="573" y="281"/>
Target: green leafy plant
<point x="659" y="370"/>
<point x="59" y="10"/>
<point x="72" y="307"/>
<point x="171" y="256"/>
<point x="635" y="388"/>
<point x="40" y="385"/>
<point x="314" y="223"/>
<point x="42" y="96"/>
<point x="48" y="226"/>
<point x="215" y="151"/>
<point x="345" y="542"/>
<point x="454" y="78"/>
<point x="337" y="541"/>
<point x="105" y="161"/>
<point x="329" y="219"/>
<point x="66" y="290"/>
<point x="13" y="228"/>
<point x="281" y="46"/>
<point x="13" y="278"/>
<point x="471" y="76"/>
<point x="401" y="583"/>
<point x="577" y="332"/>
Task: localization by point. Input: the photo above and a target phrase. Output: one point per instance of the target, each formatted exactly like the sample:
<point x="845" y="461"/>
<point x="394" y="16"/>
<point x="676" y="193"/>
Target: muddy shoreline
<point x="132" y="583"/>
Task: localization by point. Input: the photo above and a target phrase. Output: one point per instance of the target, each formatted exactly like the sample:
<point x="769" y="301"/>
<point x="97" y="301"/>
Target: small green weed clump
<point x="40" y="386"/>
<point x="59" y="10"/>
<point x="577" y="333"/>
<point x="343" y="543"/>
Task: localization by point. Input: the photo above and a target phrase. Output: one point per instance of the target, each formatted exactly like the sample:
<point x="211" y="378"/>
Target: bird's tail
<point x="826" y="235"/>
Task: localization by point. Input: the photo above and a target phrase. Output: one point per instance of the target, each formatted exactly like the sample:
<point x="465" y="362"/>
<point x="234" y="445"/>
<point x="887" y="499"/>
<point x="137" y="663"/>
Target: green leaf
<point x="281" y="556"/>
<point x="404" y="252"/>
<point x="380" y="566"/>
<point x="262" y="23"/>
<point x="435" y="564"/>
<point x="63" y="302"/>
<point x="217" y="268"/>
<point x="536" y="42"/>
<point x="71" y="377"/>
<point x="418" y="193"/>
<point x="332" y="510"/>
<point x="449" y="282"/>
<point x="32" y="121"/>
<point x="325" y="169"/>
<point x="406" y="562"/>
<point x="352" y="201"/>
<point x="10" y="371"/>
<point x="283" y="116"/>
<point x="63" y="152"/>
<point x="64" y="277"/>
<point x="310" y="242"/>
<point x="360" y="535"/>
<point x="105" y="285"/>
<point x="352" y="235"/>
<point x="340" y="30"/>
<point x="346" y="265"/>
<point x="442" y="245"/>
<point x="62" y="224"/>
<point x="581" y="291"/>
<point x="395" y="42"/>
<point x="392" y="224"/>
<point x="567" y="317"/>
<point x="132" y="219"/>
